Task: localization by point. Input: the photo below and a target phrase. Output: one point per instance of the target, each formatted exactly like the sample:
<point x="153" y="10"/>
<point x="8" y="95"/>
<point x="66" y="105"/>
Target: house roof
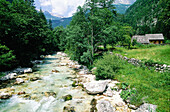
<point x="155" y="36"/>
<point x="141" y="39"/>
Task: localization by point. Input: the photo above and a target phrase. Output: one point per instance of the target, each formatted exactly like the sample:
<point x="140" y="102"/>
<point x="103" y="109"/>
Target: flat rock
<point x="133" y="107"/>
<point x="19" y="81"/>
<point x="82" y="72"/>
<point x="9" y="76"/>
<point x="95" y="87"/>
<point x="109" y="92"/>
<point x="104" y="106"/>
<point x="87" y="78"/>
<point x="63" y="64"/>
<point x="27" y="70"/>
<point x="147" y="108"/>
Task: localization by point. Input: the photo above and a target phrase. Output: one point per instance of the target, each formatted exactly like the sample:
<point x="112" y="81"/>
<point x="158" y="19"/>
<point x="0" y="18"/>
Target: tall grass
<point x="160" y="54"/>
<point x="151" y="86"/>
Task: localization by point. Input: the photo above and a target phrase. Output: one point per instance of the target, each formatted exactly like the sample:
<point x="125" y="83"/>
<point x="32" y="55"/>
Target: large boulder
<point x="104" y="106"/>
<point x="147" y="108"/>
<point x="95" y="87"/>
<point x="5" y="95"/>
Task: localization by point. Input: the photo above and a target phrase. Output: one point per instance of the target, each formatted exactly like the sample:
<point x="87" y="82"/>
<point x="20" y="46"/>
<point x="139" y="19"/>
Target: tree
<point x="25" y="31"/>
<point x="6" y="58"/>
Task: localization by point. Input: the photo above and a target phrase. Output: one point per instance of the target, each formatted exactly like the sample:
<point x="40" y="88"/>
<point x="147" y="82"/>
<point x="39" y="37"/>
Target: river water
<point x="58" y="84"/>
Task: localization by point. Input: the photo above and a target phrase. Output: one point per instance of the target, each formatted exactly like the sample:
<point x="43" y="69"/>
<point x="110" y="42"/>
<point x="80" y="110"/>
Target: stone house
<point x="149" y="38"/>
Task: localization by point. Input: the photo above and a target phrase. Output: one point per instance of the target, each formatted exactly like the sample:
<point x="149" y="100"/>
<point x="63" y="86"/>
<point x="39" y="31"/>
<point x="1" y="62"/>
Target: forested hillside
<point x="150" y="16"/>
<point x="92" y="25"/>
<point x="24" y="34"/>
<point x="121" y="8"/>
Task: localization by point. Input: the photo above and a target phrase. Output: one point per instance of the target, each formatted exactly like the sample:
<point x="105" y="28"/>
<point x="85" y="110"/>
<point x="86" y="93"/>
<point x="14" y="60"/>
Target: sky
<point x="66" y="8"/>
<point x="62" y="8"/>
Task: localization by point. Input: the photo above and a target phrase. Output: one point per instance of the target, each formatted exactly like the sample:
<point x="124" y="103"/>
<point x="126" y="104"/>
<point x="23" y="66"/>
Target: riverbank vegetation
<point x="150" y="86"/>
<point x="24" y="34"/>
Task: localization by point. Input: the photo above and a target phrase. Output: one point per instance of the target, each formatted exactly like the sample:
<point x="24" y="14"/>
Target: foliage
<point x="149" y="16"/>
<point x="91" y="26"/>
<point x="107" y="67"/>
<point x="6" y="57"/>
<point x="25" y="31"/>
<point x="150" y="86"/>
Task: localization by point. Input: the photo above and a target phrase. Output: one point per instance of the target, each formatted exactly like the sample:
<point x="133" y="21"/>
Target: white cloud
<point x="61" y="7"/>
<point x="45" y="2"/>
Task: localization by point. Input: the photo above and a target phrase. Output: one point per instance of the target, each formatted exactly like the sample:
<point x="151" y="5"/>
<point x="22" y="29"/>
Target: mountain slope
<point x="149" y="16"/>
<point x="57" y="21"/>
<point x="121" y="8"/>
<point x="49" y="16"/>
<point x="124" y="1"/>
<point x="62" y="22"/>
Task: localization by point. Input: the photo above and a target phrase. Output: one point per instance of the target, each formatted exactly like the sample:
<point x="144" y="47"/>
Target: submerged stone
<point x="22" y="92"/>
<point x="68" y="109"/>
<point x="67" y="97"/>
<point x="35" y="78"/>
<point x="56" y="71"/>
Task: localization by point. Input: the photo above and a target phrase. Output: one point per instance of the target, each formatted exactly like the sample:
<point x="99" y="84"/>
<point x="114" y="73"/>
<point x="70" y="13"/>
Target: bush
<point x="6" y="58"/>
<point x="107" y="67"/>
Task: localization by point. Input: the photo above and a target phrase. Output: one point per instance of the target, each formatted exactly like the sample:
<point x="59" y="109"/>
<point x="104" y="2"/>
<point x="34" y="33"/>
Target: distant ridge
<point x="124" y="1"/>
<point x="57" y="21"/>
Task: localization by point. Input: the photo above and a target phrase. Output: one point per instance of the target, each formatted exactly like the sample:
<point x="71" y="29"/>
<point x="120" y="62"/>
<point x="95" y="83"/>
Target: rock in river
<point x="67" y="97"/>
<point x="4" y="95"/>
<point x="19" y="81"/>
<point x="35" y="78"/>
<point x="68" y="109"/>
<point x="9" y="76"/>
<point x="95" y="87"/>
<point x="27" y="70"/>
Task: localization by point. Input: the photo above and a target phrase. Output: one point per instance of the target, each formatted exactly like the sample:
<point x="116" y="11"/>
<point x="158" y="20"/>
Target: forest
<point x="94" y="35"/>
<point x="25" y="34"/>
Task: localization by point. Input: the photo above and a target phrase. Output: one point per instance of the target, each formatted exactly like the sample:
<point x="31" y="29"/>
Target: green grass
<point x="152" y="87"/>
<point x="160" y="54"/>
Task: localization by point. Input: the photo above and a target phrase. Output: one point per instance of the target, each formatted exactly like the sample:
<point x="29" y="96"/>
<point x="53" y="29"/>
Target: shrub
<point x="107" y="66"/>
<point x="6" y="58"/>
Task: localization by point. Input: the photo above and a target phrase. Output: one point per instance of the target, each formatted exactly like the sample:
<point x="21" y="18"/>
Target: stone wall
<point x="136" y="62"/>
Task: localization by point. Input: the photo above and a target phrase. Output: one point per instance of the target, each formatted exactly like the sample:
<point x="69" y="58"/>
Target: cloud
<point x="45" y="2"/>
<point x="60" y="7"/>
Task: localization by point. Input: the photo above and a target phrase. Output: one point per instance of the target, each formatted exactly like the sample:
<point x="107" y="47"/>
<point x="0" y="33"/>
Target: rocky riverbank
<point x="106" y="94"/>
<point x="65" y="85"/>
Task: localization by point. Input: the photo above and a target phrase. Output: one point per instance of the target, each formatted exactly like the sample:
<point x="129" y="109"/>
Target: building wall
<point x="156" y="41"/>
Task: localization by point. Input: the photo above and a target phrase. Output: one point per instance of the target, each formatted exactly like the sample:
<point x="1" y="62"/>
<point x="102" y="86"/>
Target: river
<point x="46" y="95"/>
